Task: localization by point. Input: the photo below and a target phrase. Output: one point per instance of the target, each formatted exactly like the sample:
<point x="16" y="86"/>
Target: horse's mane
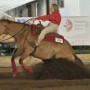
<point x="9" y="21"/>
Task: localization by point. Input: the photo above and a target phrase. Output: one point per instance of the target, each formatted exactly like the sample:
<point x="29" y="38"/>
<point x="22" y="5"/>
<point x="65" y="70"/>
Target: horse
<point x="25" y="43"/>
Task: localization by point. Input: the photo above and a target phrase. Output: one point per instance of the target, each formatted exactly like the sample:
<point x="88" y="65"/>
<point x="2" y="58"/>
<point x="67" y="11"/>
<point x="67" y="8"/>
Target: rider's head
<point x="54" y="7"/>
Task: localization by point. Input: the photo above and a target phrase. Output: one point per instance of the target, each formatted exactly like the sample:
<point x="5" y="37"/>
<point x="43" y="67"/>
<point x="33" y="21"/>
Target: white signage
<point x="76" y="30"/>
<point x="25" y="19"/>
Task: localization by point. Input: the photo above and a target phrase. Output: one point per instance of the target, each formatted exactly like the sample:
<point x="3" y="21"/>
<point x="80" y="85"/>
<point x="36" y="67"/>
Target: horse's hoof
<point x="15" y="73"/>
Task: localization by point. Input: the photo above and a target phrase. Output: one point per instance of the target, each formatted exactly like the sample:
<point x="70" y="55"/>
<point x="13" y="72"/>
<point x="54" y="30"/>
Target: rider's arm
<point x="45" y="17"/>
<point x="54" y="18"/>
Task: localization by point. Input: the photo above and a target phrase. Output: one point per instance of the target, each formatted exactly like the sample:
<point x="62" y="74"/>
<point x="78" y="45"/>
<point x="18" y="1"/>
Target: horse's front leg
<point x="16" y="53"/>
<point x="24" y="55"/>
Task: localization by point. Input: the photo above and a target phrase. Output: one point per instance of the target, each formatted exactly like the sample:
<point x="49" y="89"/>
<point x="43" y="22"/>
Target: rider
<point x="54" y="18"/>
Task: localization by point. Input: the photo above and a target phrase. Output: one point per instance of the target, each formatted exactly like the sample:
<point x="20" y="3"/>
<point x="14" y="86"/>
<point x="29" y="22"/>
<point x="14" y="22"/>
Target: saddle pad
<point x="53" y="39"/>
<point x="50" y="38"/>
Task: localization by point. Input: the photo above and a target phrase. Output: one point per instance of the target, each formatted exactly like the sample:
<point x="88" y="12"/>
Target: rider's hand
<point x="33" y="19"/>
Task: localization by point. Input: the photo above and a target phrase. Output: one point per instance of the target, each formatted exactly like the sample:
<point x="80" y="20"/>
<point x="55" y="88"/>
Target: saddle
<point x="51" y="37"/>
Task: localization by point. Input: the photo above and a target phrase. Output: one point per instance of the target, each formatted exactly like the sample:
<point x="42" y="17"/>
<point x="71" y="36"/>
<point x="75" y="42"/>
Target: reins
<point x="3" y="37"/>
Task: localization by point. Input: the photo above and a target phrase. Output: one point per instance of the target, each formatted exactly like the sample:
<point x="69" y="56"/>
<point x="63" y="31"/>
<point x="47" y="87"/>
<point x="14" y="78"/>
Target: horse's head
<point x="39" y="27"/>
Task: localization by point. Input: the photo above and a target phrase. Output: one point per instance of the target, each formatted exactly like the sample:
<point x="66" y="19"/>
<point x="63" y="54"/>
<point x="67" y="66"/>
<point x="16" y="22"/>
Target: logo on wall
<point x="68" y="25"/>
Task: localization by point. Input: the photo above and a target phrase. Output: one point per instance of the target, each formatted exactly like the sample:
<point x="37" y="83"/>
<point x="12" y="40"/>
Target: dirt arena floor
<point x="24" y="81"/>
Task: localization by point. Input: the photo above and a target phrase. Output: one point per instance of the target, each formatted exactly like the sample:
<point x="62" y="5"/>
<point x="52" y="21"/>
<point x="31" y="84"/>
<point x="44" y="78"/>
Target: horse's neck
<point x="14" y="28"/>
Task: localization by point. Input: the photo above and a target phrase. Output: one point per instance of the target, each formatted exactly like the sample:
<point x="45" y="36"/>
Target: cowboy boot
<point x="37" y="42"/>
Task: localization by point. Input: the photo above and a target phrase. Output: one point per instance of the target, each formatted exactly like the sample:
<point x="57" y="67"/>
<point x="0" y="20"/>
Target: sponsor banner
<point x="76" y="30"/>
<point x="22" y="19"/>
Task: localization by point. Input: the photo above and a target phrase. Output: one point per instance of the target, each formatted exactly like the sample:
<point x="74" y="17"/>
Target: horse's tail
<point x="78" y="60"/>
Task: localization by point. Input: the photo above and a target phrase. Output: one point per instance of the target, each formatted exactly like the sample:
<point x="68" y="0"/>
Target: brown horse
<point x="25" y="45"/>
